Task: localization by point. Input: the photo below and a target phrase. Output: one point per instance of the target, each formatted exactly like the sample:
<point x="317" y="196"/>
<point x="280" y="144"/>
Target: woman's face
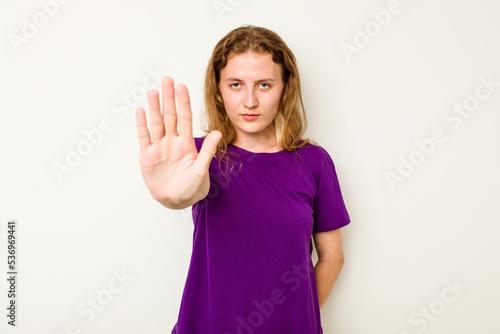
<point x="251" y="84"/>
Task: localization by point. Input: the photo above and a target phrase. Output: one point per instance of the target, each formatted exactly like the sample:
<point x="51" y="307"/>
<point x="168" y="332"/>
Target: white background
<point x="404" y="243"/>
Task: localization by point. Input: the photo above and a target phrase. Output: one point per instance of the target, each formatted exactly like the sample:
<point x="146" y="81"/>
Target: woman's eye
<point x="235" y="85"/>
<point x="265" y="85"/>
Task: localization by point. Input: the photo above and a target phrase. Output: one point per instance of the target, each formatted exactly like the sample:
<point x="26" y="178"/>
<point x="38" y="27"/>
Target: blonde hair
<point x="290" y="122"/>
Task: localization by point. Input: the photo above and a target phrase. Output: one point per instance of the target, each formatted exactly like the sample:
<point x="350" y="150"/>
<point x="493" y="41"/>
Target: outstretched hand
<point x="173" y="170"/>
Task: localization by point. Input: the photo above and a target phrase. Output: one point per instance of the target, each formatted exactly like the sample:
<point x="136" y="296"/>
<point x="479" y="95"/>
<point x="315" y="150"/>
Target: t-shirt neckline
<point x="261" y="154"/>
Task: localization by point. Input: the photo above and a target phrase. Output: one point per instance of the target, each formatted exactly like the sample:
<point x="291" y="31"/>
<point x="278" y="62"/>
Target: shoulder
<point x="318" y="159"/>
<point x="314" y="151"/>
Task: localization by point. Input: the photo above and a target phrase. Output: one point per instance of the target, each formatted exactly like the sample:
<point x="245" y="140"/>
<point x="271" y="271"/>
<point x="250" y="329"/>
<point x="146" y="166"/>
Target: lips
<point x="249" y="117"/>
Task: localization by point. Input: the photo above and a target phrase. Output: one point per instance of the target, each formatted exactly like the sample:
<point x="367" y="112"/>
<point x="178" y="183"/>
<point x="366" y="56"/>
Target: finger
<point x="184" y="115"/>
<point x="142" y="129"/>
<point x="169" y="112"/>
<point x="155" y="118"/>
<point x="208" y="150"/>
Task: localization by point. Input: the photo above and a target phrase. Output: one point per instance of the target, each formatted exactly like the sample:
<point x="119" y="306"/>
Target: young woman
<point x="259" y="192"/>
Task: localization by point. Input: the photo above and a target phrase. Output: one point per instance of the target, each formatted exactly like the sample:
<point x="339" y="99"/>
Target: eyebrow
<point x="260" y="80"/>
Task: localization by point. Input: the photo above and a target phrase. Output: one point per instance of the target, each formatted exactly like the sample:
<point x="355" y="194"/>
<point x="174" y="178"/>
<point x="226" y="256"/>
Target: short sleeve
<point x="329" y="212"/>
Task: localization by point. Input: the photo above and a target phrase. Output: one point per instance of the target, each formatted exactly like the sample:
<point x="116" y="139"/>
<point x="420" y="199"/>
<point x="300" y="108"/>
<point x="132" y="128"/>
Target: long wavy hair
<point x="290" y="121"/>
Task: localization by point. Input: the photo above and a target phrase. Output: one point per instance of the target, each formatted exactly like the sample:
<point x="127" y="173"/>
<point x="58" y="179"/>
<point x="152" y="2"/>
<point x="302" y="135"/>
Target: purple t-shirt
<point x="251" y="269"/>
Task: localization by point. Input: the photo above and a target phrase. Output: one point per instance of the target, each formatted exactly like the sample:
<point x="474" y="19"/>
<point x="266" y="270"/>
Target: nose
<point x="250" y="99"/>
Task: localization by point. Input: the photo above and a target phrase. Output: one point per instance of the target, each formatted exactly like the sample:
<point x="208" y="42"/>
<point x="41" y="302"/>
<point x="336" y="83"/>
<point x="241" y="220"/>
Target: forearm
<point x="326" y="273"/>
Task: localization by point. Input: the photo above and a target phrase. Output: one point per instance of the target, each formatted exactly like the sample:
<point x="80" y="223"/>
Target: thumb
<point x="208" y="150"/>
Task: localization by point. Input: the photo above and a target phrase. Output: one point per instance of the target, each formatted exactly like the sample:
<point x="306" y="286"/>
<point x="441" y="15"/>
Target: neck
<point x="258" y="143"/>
